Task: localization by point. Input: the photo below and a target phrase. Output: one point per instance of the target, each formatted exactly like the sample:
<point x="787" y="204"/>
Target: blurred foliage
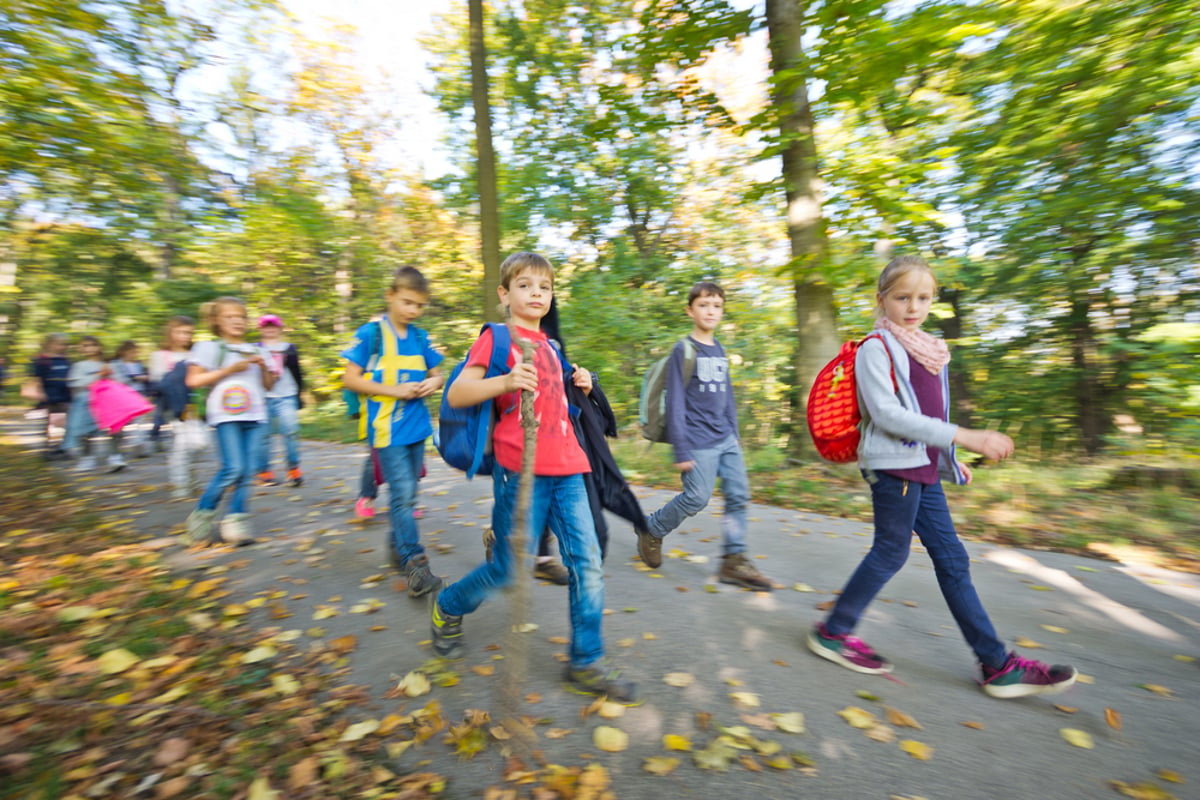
<point x="153" y="156"/>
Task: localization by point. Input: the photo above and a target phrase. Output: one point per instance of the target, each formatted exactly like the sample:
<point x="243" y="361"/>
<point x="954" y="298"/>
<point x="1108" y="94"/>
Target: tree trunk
<point x="963" y="411"/>
<point x="1093" y="423"/>
<point x="816" y="322"/>
<point x="485" y="168"/>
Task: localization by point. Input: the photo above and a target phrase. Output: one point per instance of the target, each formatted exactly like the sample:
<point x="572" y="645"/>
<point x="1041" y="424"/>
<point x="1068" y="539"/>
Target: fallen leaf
<point x="971" y="724"/>
<point x="790" y="722"/>
<point x="359" y="730"/>
<point x="716" y="756"/>
<point x="865" y="695"/>
<point x="744" y="699"/>
<point x="1170" y="775"/>
<point x="679" y="679"/>
<point x="918" y="750"/>
<point x="1113" y="718"/>
<point x="609" y="710"/>
<point x="303" y="773"/>
<point x="414" y="684"/>
<point x="899" y="718"/>
<point x="1077" y="738"/>
<point x="609" y="739"/>
<point x="285" y="684"/>
<point x="1065" y="709"/>
<point x="1055" y="629"/>
<point x="172" y="750"/>
<point x="1154" y="687"/>
<point x="660" y="765"/>
<point x="484" y="669"/>
<point x="1028" y="644"/>
<point x="1141" y="791"/>
<point x="261" y="653"/>
<point x="260" y="789"/>
<point x="858" y="717"/>
<point x="880" y="733"/>
<point x="558" y="733"/>
<point x="115" y="661"/>
<point x="673" y="741"/>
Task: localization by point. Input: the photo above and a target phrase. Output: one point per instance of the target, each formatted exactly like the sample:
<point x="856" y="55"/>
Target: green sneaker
<point x="598" y="679"/>
<point x="445" y="629"/>
<point x="1021" y="677"/>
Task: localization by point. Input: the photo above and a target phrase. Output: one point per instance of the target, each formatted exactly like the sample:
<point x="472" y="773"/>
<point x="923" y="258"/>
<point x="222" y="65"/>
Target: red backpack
<point x="833" y="414"/>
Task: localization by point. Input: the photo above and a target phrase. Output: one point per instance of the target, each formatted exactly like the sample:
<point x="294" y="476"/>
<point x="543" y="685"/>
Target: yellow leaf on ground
<point x="1142" y="791"/>
<point x="971" y="724"/>
<point x="880" y="733"/>
<point x="115" y="661"/>
<point x="263" y="652"/>
<point x="359" y="730"/>
<point x="918" y="750"/>
<point x="484" y="669"/>
<point x="673" y="741"/>
<point x="261" y="789"/>
<point x="1113" y="718"/>
<point x="858" y="717"/>
<point x="285" y="684"/>
<point x="791" y="722"/>
<point x="1028" y="644"/>
<point x="1170" y="775"/>
<point x="744" y="699"/>
<point x="1054" y="629"/>
<point x="414" y="684"/>
<point x="1154" y="687"/>
<point x="610" y="710"/>
<point x="660" y="765"/>
<point x="1077" y="738"/>
<point x="558" y="733"/>
<point x="899" y="718"/>
<point x="609" y="739"/>
<point x="679" y="679"/>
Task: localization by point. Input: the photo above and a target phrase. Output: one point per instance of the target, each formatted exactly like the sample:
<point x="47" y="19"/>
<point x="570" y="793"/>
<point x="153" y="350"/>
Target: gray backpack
<point x="652" y="405"/>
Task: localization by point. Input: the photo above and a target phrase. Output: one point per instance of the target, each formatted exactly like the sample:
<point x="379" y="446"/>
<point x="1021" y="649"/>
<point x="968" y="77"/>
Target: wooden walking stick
<point x="516" y="648"/>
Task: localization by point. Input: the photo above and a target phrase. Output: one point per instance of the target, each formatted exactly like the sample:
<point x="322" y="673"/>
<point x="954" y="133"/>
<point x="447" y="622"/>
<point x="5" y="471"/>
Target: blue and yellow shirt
<point x="389" y="358"/>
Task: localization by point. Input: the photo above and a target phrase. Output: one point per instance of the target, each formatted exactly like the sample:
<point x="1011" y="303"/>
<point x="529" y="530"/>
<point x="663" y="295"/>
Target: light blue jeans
<point x="401" y="465"/>
<point x="81" y="425"/>
<point x="724" y="462"/>
<point x="283" y="416"/>
<point x="902" y="507"/>
<point x="237" y="444"/>
<point x="561" y="502"/>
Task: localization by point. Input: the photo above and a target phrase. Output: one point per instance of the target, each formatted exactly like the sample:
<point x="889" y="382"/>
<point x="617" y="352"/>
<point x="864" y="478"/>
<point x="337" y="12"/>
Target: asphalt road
<point x="1124" y="626"/>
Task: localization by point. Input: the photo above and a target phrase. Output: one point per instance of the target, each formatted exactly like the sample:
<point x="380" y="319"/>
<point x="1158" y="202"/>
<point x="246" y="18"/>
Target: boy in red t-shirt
<point x="559" y="495"/>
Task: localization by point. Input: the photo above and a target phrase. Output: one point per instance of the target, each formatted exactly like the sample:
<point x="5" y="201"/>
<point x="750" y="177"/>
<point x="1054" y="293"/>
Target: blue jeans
<point x="238" y="445"/>
<point x="561" y="502"/>
<point x="282" y="417"/>
<point x="902" y="507"/>
<point x="81" y="425"/>
<point x="724" y="461"/>
<point x="401" y="465"/>
<point x="367" y="487"/>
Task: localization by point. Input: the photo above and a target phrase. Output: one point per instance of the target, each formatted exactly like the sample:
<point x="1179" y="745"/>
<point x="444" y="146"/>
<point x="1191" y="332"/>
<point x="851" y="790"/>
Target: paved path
<point x="1124" y="627"/>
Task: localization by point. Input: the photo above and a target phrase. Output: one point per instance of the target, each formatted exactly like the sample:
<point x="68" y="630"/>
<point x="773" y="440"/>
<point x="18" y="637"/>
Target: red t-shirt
<point x="558" y="451"/>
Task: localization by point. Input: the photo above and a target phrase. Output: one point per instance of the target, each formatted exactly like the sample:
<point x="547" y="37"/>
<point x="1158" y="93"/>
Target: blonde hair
<point x="519" y="263"/>
<point x="177" y="321"/>
<point x="51" y="338"/>
<point x="210" y="310"/>
<point x="896" y="269"/>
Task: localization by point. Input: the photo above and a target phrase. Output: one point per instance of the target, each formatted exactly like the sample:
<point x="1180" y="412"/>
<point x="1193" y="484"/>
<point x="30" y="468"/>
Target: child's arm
<point x="434" y="380"/>
<point x="677" y="430"/>
<point x="198" y="375"/>
<point x="354" y="380"/>
<point x="471" y="388"/>
<point x="581" y="378"/>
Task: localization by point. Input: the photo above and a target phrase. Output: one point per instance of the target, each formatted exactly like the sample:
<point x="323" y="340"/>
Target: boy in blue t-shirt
<point x="392" y="364"/>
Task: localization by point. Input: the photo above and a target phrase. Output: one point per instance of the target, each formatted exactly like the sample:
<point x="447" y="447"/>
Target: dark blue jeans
<point x="902" y="507"/>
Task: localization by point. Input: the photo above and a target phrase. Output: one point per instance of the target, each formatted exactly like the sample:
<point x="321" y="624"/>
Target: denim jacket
<point x="895" y="434"/>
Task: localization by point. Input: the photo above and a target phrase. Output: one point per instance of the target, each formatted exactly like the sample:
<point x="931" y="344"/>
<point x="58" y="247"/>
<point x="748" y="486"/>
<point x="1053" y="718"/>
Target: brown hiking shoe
<point x="552" y="571"/>
<point x="737" y="570"/>
<point x="650" y="549"/>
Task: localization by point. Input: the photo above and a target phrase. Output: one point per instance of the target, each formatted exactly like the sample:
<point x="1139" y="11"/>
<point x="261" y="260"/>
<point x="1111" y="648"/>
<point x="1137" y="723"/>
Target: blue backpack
<point x="465" y="434"/>
<point x="174" y="396"/>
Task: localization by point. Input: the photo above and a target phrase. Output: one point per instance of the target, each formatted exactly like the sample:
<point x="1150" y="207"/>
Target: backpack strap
<point x="689" y="360"/>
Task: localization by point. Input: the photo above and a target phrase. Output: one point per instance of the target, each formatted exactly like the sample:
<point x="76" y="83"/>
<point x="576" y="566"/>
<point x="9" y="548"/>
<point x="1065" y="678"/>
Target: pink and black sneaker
<point x="1022" y="677"/>
<point x="851" y="653"/>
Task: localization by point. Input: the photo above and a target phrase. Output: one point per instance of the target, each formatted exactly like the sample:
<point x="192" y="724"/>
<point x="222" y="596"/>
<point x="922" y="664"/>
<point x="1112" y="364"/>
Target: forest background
<point x="1043" y="155"/>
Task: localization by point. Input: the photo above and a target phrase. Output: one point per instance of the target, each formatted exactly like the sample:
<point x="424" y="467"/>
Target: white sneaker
<point x="85" y="464"/>
<point x="116" y="462"/>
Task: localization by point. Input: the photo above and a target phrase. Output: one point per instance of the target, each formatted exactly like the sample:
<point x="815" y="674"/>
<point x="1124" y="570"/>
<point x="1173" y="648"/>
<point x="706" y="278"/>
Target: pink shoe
<point x="364" y="508"/>
<point x="418" y="513"/>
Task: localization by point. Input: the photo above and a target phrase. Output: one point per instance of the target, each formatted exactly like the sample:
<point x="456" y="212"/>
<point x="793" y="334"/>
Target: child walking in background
<point x="237" y="376"/>
<point x="392" y="363"/>
<point x="176" y="345"/>
<point x="907" y="446"/>
<point x="127" y="369"/>
<point x="51" y="368"/>
<point x="81" y="426"/>
<point x="702" y="427"/>
<point x="559" y="497"/>
<point x="283" y="402"/>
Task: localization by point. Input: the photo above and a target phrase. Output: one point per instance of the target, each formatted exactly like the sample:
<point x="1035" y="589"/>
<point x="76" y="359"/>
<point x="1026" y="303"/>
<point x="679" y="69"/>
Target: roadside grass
<point x="121" y="678"/>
